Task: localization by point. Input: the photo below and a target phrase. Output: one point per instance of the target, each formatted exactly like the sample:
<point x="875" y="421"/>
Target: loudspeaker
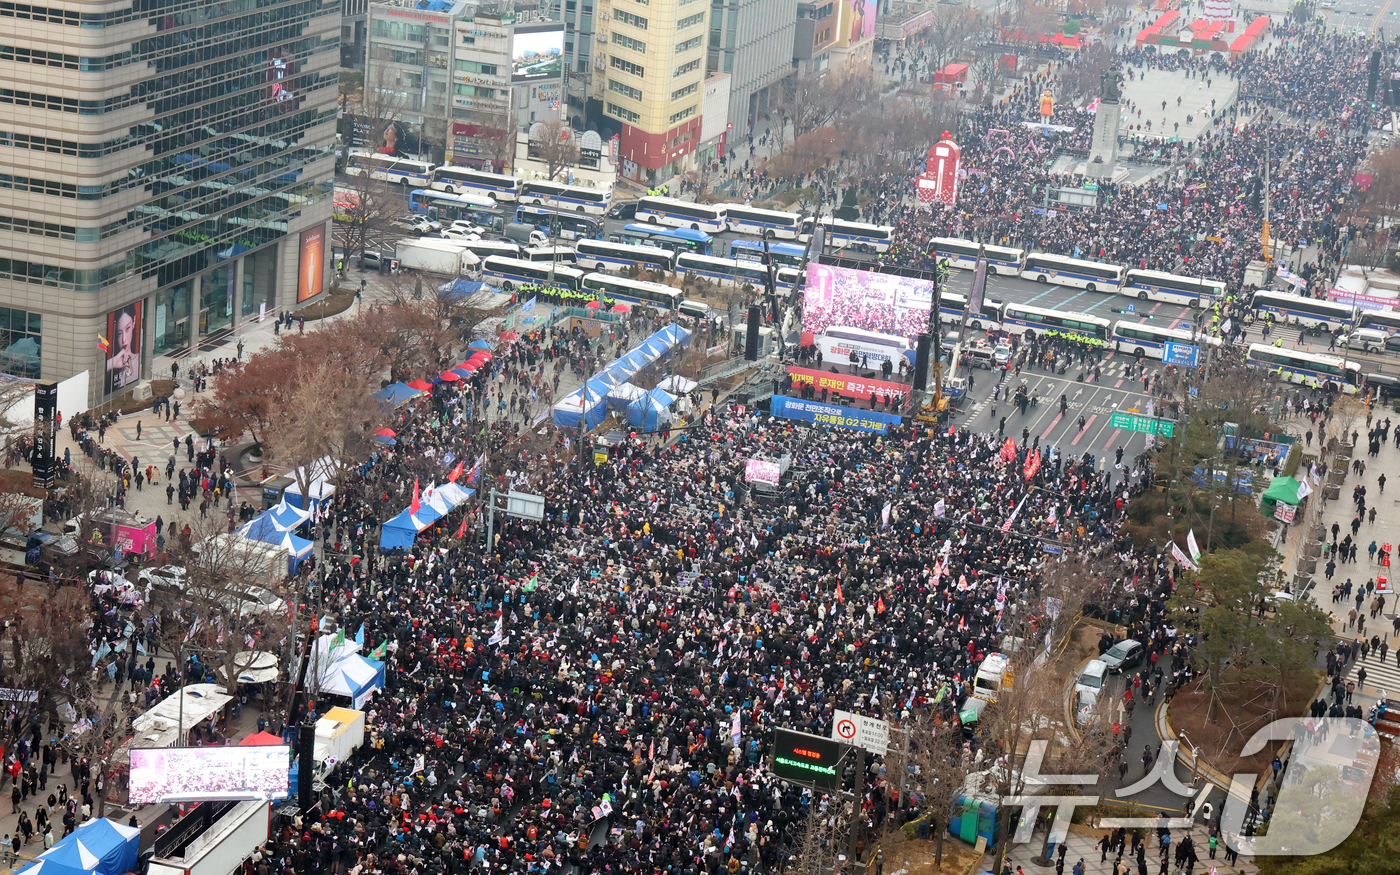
<point x="1373" y="74"/>
<point x="921" y="350"/>
<point x="751" y="336"/>
<point x="306" y="763"/>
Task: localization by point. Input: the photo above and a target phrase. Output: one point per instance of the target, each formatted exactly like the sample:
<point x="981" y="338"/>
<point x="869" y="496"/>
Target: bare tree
<point x="941" y="764"/>
<point x="553" y="144"/>
<point x="950" y="31"/>
<point x="821" y="847"/>
<point x="368" y="211"/>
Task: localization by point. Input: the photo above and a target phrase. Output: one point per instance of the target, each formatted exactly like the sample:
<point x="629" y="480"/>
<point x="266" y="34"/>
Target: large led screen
<point x="537" y="52"/>
<point x="875" y="302"/>
<point x="194" y="774"/>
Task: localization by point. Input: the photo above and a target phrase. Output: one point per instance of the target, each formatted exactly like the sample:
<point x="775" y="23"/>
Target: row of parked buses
<point x="498" y="188"/>
<point x="1095" y="276"/>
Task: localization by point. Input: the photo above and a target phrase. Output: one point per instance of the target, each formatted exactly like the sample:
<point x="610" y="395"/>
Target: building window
<point x="690" y="21"/>
<point x="682" y="92"/>
<point x="475" y="67"/>
<point x="21" y="342"/>
<point x="683" y="114"/>
<point x="627" y="66"/>
<point x="688" y="67"/>
<point x="624" y="90"/>
<point x="626" y="115"/>
<point x="627" y="42"/>
<point x="692" y="43"/>
<point x="628" y="18"/>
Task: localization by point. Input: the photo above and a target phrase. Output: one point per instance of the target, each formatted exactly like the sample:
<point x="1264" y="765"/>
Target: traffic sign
<point x="1144" y="424"/>
<point x="1181" y="354"/>
<point x="1130" y="308"/>
<point x="873" y="735"/>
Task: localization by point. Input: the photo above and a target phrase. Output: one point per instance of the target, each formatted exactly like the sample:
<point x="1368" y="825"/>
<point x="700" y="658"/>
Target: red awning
<point x="449" y="377"/>
<point x="420" y="384"/>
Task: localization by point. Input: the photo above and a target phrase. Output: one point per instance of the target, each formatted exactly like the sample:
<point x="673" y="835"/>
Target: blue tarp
<point x="478" y="344"/>
<point x="396" y="393"/>
<point x="434" y="504"/>
<point x="461" y="288"/>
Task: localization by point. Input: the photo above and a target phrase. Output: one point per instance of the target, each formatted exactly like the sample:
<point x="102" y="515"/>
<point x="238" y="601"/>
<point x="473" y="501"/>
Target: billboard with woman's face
<point x="857" y="20"/>
<point x="123" y="347"/>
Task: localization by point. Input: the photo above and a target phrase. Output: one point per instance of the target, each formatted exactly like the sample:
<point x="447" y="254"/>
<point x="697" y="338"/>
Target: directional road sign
<point x="1144" y="424"/>
<point x="1181" y="354"/>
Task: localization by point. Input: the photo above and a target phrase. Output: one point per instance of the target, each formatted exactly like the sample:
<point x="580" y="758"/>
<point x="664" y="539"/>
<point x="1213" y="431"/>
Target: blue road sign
<point x="1181" y="354"/>
<point x="1193" y="391"/>
<point x="1131" y="308"/>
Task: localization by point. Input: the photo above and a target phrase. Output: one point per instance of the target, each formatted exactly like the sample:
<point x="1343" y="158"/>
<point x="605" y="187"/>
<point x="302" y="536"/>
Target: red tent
<point x="449" y="377"/>
<point x="421" y="385"/>
<point x="260" y="738"/>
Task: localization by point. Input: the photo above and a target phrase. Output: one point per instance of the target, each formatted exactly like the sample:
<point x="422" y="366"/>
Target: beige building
<point x="651" y="60"/>
<point x="167" y="176"/>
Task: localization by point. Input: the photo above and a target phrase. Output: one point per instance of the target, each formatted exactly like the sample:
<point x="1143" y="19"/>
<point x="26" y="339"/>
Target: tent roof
<point x="626" y="392"/>
<point x="1283" y="489"/>
<point x="396" y="393"/>
<point x="677" y="384"/>
<point x="261" y="738"/>
<point x="159" y="727"/>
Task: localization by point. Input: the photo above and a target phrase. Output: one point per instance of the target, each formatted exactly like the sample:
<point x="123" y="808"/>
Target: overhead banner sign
<point x="847" y="386"/>
<point x="864" y="732"/>
<point x="818" y="413"/>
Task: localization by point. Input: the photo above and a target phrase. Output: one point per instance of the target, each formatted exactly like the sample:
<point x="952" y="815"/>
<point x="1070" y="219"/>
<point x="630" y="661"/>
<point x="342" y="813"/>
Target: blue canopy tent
<point x="353" y="676"/>
<point x="274" y="526"/>
<point x="98" y="847"/>
<point x="479" y="344"/>
<point x="400" y="531"/>
<point x="433" y="504"/>
<point x="395" y="394"/>
<point x="589" y="401"/>
<point x="651" y="411"/>
<point x="462" y="288"/>
<point x="583" y="403"/>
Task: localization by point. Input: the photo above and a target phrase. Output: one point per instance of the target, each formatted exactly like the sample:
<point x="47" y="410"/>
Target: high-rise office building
<point x="752" y="41"/>
<point x="167" y="172"/>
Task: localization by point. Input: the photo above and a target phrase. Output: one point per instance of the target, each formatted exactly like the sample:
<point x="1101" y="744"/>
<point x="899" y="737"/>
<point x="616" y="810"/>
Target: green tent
<point x="1284" y="489"/>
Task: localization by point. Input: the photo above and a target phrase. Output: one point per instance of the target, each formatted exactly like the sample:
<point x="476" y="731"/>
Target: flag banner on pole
<point x="1182" y="558"/>
<point x="1192" y="546"/>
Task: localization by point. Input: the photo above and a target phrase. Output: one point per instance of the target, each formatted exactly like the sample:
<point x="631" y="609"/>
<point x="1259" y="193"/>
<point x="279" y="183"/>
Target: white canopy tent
<point x="161" y="726"/>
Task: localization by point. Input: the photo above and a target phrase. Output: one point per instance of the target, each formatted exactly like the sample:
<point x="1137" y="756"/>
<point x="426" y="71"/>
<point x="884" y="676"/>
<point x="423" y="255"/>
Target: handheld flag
<point x="416" y="505"/>
<point x="381" y="651"/>
<point x="1192" y="546"/>
<point x="360" y="636"/>
<point x="476" y="469"/>
<point x="456" y="472"/>
<point x="462" y="529"/>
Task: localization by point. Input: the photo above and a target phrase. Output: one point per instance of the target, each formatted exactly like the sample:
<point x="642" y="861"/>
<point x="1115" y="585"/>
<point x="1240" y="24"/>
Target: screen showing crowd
<point x="189" y="774"/>
<point x="862" y="299"/>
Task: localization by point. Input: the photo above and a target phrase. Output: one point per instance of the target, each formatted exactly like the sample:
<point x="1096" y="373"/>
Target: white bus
<point x="837" y="343"/>
<point x="682" y="214"/>
<point x="859" y="236"/>
<point x="725" y="271"/>
<point x="513" y="273"/>
<point x="621" y="288"/>
<point x="602" y="255"/>
<point x="1020" y="319"/>
<point x="745" y="219"/>
<point x="556" y="195"/>
<point x="1003" y="260"/>
<point x="386" y="168"/>
<point x="548" y="254"/>
<point x="1381" y="320"/>
<point x="1092" y="275"/>
<point x="496" y="186"/>
<point x="1308" y="368"/>
<point x="486" y="248"/>
<point x="1308" y="312"/>
<point x="1154" y="285"/>
<point x="1147" y="340"/>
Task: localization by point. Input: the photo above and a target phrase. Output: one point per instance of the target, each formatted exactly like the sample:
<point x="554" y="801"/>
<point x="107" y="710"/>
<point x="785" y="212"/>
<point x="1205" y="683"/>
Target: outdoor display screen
<point x="807" y="759"/>
<point x="537" y="52"/>
<point x="195" y="774"/>
<point x="866" y="300"/>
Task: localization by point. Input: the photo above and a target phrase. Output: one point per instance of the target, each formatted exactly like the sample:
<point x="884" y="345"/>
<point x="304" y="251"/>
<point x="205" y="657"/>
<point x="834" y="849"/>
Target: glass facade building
<point x="160" y="164"/>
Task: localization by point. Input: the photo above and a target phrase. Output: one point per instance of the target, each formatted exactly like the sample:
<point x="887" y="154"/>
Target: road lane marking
<point x="1088" y="423"/>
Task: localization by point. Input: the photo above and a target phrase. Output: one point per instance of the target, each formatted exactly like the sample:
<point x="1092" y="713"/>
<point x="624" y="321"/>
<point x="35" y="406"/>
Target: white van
<point x="1090" y="680"/>
<point x="1366" y="340"/>
<point x="992" y="677"/>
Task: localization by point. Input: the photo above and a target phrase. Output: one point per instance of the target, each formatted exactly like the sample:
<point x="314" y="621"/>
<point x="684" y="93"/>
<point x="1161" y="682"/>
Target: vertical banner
<point x="979" y="288"/>
<point x="311" y="268"/>
<point x="124" y="347"/>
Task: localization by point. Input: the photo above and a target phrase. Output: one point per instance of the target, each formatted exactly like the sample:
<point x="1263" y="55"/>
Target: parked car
<point x="461" y="234"/>
<point x="171" y="578"/>
<point x="623" y="210"/>
<point x="1123" y="656"/>
<point x="370" y="259"/>
<point x="424" y="225"/>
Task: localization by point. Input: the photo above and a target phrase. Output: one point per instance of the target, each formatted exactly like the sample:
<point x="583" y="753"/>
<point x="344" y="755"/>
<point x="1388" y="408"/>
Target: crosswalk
<point x="1381" y="674"/>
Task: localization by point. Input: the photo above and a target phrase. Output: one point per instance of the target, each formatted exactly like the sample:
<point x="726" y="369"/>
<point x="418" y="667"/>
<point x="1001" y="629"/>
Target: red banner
<point x="846" y="385"/>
